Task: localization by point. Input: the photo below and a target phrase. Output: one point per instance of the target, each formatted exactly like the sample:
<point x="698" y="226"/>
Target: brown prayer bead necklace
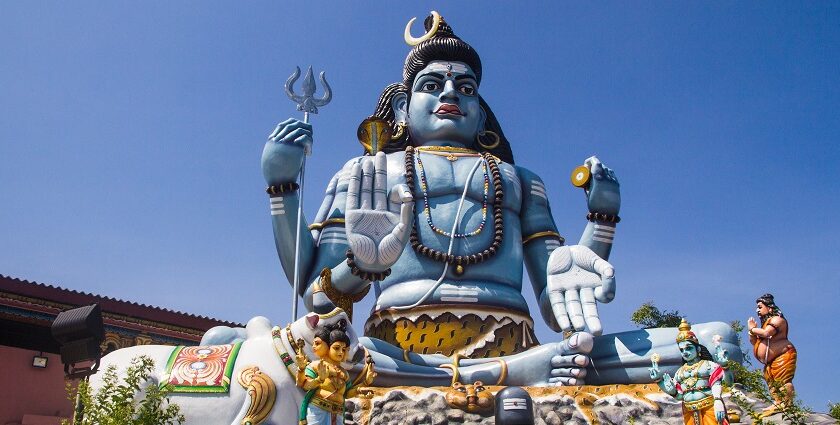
<point x="459" y="261"/>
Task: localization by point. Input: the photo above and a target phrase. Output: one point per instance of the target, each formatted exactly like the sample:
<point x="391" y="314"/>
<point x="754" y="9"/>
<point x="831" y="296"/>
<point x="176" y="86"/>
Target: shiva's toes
<point x="564" y="381"/>
<point x="577" y="343"/>
<point x="573" y="361"/>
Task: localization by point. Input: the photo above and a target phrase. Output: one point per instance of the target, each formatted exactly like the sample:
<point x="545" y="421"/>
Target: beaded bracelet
<point x="282" y="188"/>
<point x="594" y="216"/>
<point x="356" y="271"/>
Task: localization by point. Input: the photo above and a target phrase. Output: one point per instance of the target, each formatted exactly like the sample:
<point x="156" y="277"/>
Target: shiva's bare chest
<point x="439" y="179"/>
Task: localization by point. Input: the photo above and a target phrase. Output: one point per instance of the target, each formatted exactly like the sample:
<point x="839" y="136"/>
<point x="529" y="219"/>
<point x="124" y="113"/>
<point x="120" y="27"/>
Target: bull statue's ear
<point x="312" y="320"/>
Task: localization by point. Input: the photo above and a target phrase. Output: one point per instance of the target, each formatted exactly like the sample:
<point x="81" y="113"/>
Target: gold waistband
<point x="329" y="406"/>
<point x="446" y="332"/>
<point x="699" y="404"/>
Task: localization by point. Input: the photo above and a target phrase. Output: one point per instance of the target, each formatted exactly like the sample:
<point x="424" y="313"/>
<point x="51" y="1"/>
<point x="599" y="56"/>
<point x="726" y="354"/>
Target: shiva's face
<point x="688" y="351"/>
<point x="444" y="105"/>
<point x="338" y="351"/>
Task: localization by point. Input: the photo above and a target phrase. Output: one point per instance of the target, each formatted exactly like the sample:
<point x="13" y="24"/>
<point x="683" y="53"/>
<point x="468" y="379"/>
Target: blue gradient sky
<point x="130" y="137"/>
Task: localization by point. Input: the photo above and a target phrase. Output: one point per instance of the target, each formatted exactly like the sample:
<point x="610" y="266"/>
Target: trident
<point x="308" y="104"/>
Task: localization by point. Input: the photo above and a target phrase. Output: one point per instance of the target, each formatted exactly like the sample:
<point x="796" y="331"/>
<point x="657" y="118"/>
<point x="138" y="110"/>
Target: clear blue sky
<point x="130" y="137"/>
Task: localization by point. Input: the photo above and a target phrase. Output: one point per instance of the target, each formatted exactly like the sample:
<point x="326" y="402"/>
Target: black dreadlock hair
<point x="334" y="332"/>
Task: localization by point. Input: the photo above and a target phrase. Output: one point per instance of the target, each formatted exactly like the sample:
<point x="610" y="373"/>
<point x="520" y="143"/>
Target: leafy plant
<point x="649" y="316"/>
<point x="794" y="411"/>
<point x="741" y="401"/>
<point x="117" y="403"/>
<point x="834" y="410"/>
<point x="751" y="380"/>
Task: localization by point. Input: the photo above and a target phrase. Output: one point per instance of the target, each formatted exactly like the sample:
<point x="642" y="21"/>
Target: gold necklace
<point x="691" y="375"/>
<point x="449" y="152"/>
<point x="445" y="149"/>
<point x="453" y="156"/>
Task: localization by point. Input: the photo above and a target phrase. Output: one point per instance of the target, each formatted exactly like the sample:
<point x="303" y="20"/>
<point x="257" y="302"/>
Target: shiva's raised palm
<point x="439" y="220"/>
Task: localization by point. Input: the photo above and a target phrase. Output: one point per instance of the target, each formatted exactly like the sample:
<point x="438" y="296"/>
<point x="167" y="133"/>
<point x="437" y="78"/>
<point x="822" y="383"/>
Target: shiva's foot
<point x="556" y="363"/>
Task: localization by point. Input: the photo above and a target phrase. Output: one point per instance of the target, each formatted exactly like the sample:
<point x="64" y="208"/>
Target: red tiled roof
<point x="110" y="305"/>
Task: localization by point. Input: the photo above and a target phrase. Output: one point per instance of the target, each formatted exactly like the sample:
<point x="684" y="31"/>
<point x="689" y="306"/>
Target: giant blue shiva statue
<point x="439" y="220"/>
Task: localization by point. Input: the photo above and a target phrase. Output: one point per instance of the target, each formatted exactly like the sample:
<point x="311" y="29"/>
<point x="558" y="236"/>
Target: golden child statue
<point x="698" y="382"/>
<point x="326" y="382"/>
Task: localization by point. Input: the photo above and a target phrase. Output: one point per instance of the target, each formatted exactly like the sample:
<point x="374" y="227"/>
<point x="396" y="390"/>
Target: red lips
<point x="448" y="109"/>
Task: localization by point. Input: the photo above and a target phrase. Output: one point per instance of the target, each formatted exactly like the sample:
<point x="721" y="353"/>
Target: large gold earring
<point x="493" y="145"/>
<point x="400" y="131"/>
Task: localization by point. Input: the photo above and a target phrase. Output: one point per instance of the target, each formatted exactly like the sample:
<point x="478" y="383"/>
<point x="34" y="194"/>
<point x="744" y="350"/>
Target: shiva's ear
<point x="482" y="120"/>
<point x="399" y="103"/>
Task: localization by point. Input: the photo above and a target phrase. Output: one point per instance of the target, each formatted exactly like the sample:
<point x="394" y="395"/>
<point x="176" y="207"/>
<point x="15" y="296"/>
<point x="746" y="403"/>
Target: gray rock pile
<point x="414" y="405"/>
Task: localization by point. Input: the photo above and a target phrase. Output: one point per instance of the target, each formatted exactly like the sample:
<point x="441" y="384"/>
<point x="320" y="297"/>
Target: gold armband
<point x="538" y="235"/>
<point x="325" y="223"/>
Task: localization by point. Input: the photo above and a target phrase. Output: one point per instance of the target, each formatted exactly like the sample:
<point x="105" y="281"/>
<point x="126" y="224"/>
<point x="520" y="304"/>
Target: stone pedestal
<point x="611" y="404"/>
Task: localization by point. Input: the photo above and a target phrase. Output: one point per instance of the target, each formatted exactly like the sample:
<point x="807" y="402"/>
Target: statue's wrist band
<point x="342" y="300"/>
<point x="356" y="271"/>
<point x="282" y="188"/>
<point x="606" y="218"/>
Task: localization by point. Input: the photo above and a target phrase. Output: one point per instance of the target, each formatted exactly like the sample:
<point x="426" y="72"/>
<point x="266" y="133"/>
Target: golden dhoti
<point x="782" y="368"/>
<point x="476" y="333"/>
<point x="701" y="412"/>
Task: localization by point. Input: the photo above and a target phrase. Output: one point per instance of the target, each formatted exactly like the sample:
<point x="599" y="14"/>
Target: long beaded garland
<point x="498" y="224"/>
<point x="424" y="185"/>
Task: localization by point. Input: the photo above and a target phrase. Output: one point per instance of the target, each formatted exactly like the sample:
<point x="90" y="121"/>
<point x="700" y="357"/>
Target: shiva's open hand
<point x="282" y="156"/>
<point x="577" y="277"/>
<point x="375" y="233"/>
<point x="602" y="194"/>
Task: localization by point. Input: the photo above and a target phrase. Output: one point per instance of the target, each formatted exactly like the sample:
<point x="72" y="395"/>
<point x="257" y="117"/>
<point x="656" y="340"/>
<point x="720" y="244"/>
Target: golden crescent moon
<point x="411" y="41"/>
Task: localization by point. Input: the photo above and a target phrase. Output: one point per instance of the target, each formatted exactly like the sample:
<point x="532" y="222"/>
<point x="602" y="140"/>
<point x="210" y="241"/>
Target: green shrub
<point x="834" y="411"/>
<point x="649" y="316"/>
<point x="116" y="403"/>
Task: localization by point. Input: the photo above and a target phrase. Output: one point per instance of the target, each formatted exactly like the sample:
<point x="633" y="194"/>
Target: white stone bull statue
<point x="261" y="390"/>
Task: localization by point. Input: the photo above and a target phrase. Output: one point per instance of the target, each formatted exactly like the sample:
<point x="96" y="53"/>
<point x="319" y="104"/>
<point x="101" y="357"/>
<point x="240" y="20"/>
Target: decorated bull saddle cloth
<point x="202" y="369"/>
